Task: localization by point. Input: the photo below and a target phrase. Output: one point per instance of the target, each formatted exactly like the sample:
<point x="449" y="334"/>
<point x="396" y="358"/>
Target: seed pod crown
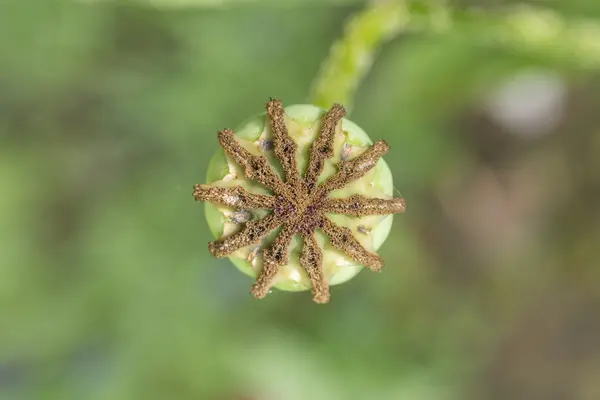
<point x="297" y="204"/>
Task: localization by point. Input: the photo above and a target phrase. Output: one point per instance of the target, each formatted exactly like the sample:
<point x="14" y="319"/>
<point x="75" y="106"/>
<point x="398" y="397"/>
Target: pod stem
<point x="535" y="31"/>
<point x="352" y="56"/>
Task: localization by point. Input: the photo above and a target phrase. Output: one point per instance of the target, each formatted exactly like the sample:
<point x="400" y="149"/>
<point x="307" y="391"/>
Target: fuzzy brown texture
<point x="235" y="197"/>
<point x="322" y="148"/>
<point x="312" y="261"/>
<point x="284" y="146"/>
<point x="360" y="206"/>
<point x="252" y="233"/>
<point x="299" y="205"/>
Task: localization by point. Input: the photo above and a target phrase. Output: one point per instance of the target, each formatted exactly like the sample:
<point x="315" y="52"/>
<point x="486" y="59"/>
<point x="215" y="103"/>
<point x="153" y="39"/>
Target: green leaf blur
<point x="109" y="113"/>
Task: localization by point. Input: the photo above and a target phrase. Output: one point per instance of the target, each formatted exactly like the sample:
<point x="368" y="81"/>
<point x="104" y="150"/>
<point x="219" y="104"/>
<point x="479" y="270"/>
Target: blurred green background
<point x="108" y="115"/>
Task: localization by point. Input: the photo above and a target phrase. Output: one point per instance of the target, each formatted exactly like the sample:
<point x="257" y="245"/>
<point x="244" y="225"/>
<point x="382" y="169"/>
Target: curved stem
<point x="351" y="57"/>
<point x="532" y="30"/>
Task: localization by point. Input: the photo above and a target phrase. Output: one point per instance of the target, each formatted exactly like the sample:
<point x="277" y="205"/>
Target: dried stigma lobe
<point x="299" y="198"/>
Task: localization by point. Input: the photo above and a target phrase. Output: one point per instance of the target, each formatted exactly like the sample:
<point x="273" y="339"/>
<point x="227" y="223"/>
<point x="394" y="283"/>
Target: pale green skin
<point x="303" y="123"/>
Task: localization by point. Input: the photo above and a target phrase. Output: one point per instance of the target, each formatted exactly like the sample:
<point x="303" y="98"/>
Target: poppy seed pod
<point x="299" y="198"/>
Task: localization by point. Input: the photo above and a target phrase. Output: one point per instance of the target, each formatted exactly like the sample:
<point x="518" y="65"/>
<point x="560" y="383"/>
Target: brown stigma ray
<point x="361" y="206"/>
<point x="253" y="233"/>
<point x="256" y="168"/>
<point x="284" y="146"/>
<point x="274" y="257"/>
<point x="236" y="197"/>
<point x="298" y="204"/>
<point x="343" y="239"/>
<point x="311" y="260"/>
<point x="322" y="148"/>
<point x="350" y="171"/>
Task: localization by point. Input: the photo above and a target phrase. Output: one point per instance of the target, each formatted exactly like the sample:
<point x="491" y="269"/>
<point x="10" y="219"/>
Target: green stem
<point x="351" y="57"/>
<point x="537" y="32"/>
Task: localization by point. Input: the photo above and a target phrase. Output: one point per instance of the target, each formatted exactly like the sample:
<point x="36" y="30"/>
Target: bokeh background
<point x="108" y="115"/>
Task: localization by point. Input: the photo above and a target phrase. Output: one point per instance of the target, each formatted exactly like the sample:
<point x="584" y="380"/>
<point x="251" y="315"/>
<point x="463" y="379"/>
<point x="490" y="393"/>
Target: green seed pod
<point x="318" y="218"/>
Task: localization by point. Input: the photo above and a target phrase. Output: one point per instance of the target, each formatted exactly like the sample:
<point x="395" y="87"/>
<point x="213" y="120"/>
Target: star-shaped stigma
<point x="299" y="205"/>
